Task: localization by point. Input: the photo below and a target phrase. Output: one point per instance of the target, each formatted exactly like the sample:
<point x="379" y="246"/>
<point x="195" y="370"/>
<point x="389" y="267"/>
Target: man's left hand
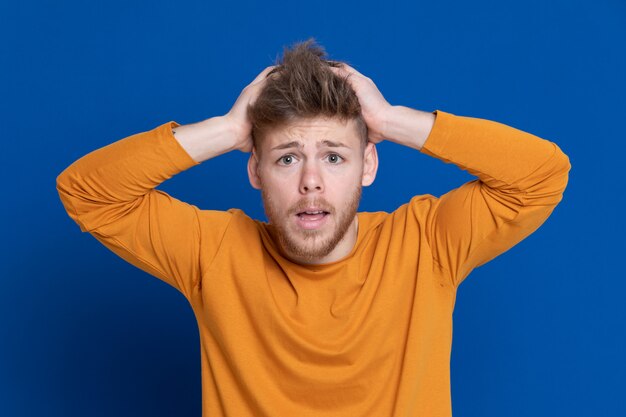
<point x="374" y="107"/>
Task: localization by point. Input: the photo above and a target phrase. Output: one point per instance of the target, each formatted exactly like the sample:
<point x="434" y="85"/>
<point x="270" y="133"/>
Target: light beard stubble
<point x="315" y="249"/>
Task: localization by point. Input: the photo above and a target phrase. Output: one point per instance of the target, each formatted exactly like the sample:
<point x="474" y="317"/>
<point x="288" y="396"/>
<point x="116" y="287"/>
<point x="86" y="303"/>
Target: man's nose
<point x="311" y="179"/>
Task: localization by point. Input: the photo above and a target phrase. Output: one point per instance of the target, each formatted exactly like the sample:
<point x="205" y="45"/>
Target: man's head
<point x="311" y="155"/>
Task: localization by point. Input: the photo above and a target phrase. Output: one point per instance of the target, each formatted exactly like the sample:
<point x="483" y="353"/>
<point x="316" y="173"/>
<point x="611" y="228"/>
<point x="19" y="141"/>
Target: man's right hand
<point x="237" y="117"/>
<point x="218" y="135"/>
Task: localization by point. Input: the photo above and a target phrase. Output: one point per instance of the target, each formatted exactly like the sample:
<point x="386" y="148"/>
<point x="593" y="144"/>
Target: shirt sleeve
<point x="111" y="194"/>
<point x="521" y="179"/>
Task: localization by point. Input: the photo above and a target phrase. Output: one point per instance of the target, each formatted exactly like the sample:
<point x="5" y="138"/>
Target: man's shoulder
<point x="232" y="225"/>
<point x="417" y="203"/>
<point x="402" y="221"/>
<point x="226" y="216"/>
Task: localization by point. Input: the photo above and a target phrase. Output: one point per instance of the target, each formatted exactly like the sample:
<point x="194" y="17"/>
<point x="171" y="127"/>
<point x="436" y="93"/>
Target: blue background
<point x="539" y="331"/>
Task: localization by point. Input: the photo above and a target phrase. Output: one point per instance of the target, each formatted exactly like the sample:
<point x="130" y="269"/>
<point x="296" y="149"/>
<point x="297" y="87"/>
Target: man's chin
<point x="309" y="245"/>
<point x="312" y="246"/>
<point x="307" y="255"/>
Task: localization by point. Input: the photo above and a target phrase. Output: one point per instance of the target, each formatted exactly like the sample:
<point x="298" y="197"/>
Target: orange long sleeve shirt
<point x="369" y="335"/>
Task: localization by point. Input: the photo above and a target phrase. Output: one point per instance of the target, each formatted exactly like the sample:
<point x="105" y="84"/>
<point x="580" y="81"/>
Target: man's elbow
<point x="549" y="182"/>
<point x="563" y="167"/>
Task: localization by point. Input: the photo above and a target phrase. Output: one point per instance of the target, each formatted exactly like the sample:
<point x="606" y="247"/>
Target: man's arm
<point x="521" y="179"/>
<point x="111" y="194"/>
<point x="407" y="126"/>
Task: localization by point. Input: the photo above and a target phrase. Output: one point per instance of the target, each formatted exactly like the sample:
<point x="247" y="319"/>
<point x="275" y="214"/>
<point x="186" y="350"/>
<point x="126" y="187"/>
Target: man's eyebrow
<point x="298" y="144"/>
<point x="332" y="144"/>
<point x="292" y="144"/>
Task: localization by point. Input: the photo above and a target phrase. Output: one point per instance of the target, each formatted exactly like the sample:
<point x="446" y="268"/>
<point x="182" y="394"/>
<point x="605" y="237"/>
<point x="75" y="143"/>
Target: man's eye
<point x="333" y="158"/>
<point x="286" y="159"/>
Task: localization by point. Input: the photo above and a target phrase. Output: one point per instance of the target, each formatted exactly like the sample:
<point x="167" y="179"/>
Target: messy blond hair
<point x="304" y="87"/>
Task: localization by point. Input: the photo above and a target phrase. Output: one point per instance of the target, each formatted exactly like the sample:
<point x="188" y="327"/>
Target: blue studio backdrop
<point x="538" y="331"/>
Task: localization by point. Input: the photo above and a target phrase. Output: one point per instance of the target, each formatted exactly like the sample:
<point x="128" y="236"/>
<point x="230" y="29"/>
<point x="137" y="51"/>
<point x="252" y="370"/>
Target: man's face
<point x="310" y="175"/>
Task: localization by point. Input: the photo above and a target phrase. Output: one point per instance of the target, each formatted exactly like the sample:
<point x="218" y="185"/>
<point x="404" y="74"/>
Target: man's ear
<point x="370" y="164"/>
<point x="253" y="167"/>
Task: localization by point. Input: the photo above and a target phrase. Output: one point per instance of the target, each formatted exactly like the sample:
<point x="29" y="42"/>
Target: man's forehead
<point x="313" y="133"/>
<point x="320" y="143"/>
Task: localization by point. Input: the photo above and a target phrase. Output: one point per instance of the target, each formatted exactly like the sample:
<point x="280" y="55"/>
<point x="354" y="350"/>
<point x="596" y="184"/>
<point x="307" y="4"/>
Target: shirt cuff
<point x="439" y="134"/>
<point x="175" y="151"/>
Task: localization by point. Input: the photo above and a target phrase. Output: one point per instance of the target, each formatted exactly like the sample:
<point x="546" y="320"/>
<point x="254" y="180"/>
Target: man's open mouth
<point x="312" y="215"/>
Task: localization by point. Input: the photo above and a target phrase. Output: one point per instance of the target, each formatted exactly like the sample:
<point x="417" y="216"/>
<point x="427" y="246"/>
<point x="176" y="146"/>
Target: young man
<point x="322" y="311"/>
